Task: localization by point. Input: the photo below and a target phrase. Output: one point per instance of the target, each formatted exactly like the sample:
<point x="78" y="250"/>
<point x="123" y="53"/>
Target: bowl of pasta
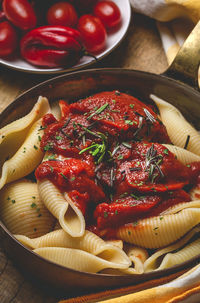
<point x="100" y="178"/>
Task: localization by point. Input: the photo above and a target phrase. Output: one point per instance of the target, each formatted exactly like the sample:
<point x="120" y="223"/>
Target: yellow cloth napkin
<point x="170" y="289"/>
<point x="166" y="10"/>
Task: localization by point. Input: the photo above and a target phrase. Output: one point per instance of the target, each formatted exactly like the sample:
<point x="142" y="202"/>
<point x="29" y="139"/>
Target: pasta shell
<point x="178" y="128"/>
<point x="183" y="155"/>
<point x="189" y="251"/>
<point x="88" y="242"/>
<point x="62" y="207"/>
<point x="22" y="211"/>
<point x="13" y="135"/>
<point x="157" y="232"/>
<point x="176" y="208"/>
<point x="26" y="159"/>
<point x="153" y="262"/>
<point x="77" y="259"/>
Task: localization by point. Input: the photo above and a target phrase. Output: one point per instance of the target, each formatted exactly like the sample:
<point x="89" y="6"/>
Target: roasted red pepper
<point x="52" y="46"/>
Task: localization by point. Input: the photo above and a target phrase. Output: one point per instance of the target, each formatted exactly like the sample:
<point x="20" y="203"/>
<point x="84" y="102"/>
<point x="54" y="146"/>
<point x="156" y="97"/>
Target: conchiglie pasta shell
<point x="22" y="211"/>
<point x="13" y="135"/>
<point x="183" y="205"/>
<point x="178" y="128"/>
<point x="76" y="259"/>
<point x="152" y="263"/>
<point x="183" y="155"/>
<point x="69" y="216"/>
<point x="88" y="242"/>
<point x="157" y="232"/>
<point x="189" y="251"/>
<point x="26" y="159"/>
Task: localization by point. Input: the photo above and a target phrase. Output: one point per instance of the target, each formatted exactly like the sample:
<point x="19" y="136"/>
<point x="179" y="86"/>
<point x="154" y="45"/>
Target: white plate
<point x="17" y="63"/>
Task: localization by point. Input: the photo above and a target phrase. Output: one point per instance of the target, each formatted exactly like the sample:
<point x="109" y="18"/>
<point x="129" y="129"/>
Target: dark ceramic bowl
<point x="72" y="87"/>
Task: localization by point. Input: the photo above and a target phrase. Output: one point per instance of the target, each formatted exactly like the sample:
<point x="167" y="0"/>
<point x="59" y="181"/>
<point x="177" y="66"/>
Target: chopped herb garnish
<point x="150" y="117"/>
<point x="165" y="151"/>
<point x="58" y="138"/>
<point x="187" y="142"/>
<point x="42" y="128"/>
<point x="126" y="144"/>
<point x="129" y="122"/>
<point x="13" y="201"/>
<point x="35" y="147"/>
<point x="66" y="123"/>
<point x="64" y="176"/>
<point x="51" y="168"/>
<point x="116" y="212"/>
<point x="33" y="205"/>
<point x="135" y="168"/>
<point x="131" y="105"/>
<point x="120" y="157"/>
<point x="152" y="162"/>
<point x="105" y="214"/>
<point x="83" y="140"/>
<point x="117" y="93"/>
<point x="115" y="150"/>
<point x="72" y="179"/>
<point x="33" y="197"/>
<point x="112" y="177"/>
<point x="97" y="149"/>
<point x="49" y="146"/>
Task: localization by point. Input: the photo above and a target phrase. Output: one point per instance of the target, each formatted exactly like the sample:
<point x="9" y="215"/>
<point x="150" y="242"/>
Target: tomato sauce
<point x="106" y="151"/>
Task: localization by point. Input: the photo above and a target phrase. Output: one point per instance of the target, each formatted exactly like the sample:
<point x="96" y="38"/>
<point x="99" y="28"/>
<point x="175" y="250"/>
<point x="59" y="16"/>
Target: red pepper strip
<point x="124" y="210"/>
<point x="130" y="209"/>
<point x="52" y="46"/>
<point x="153" y="168"/>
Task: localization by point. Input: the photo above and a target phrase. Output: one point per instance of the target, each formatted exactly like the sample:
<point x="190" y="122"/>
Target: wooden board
<point x="142" y="50"/>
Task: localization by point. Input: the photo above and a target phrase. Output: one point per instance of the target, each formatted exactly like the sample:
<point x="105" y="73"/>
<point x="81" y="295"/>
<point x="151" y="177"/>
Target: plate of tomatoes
<point x="60" y="36"/>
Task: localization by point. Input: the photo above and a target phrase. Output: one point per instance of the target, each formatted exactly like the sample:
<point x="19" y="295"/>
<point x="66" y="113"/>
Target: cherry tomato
<point x="8" y="39"/>
<point x="109" y="14"/>
<point x="20" y="13"/>
<point x="62" y="13"/>
<point x="93" y="33"/>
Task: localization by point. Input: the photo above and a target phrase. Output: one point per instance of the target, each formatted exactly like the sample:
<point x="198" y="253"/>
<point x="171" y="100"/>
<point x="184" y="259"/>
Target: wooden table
<point x="141" y="50"/>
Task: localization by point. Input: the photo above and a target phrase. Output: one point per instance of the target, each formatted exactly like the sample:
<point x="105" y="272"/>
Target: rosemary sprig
<point x="97" y="149"/>
<point x="150" y="117"/>
<point x="98" y="111"/>
<point x="152" y="162"/>
<point x="187" y="142"/>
